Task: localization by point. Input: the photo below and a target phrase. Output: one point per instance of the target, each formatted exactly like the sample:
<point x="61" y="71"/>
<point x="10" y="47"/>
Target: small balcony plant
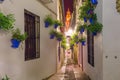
<point x="52" y="34"/>
<point x="82" y="40"/>
<point x="59" y="36"/>
<point x="17" y="37"/>
<point x="63" y="43"/>
<point x="57" y="23"/>
<point x="95" y="28"/>
<point x="6" y="21"/>
<point x="75" y="38"/>
<point x="48" y="21"/>
<point x="81" y="28"/>
<point x="6" y="78"/>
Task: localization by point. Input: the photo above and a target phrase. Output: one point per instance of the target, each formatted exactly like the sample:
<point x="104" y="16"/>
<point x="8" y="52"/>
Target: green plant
<point x="48" y="19"/>
<point x="6" y="78"/>
<point x="84" y="9"/>
<point x="96" y="27"/>
<point x="82" y="39"/>
<point x="52" y="32"/>
<point x="16" y="34"/>
<point x="63" y="43"/>
<point x="75" y="38"/>
<point x="58" y="22"/>
<point x="79" y="27"/>
<point x="6" y="21"/>
<point x="59" y="36"/>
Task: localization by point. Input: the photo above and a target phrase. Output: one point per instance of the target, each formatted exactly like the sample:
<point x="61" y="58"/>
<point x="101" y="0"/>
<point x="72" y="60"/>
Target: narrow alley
<point x="69" y="71"/>
<point x="59" y="39"/>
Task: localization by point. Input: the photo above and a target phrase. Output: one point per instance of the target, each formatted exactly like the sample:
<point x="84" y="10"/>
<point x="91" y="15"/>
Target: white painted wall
<point x="12" y="60"/>
<point x="96" y="72"/>
<point x="111" y="41"/>
<point x="53" y="5"/>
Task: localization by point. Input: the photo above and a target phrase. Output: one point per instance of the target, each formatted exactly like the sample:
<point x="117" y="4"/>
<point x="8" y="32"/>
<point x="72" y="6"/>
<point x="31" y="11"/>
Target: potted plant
<point x="52" y="34"/>
<point x="6" y="78"/>
<point x="6" y="21"/>
<point x="72" y="44"/>
<point x="59" y="36"/>
<point x="82" y="40"/>
<point x="57" y="23"/>
<point x="94" y="2"/>
<point x="93" y="18"/>
<point x="48" y="21"/>
<point x="81" y="28"/>
<point x="63" y="43"/>
<point x="17" y="37"/>
<point x="95" y="28"/>
<point x="86" y="11"/>
<point x="75" y="38"/>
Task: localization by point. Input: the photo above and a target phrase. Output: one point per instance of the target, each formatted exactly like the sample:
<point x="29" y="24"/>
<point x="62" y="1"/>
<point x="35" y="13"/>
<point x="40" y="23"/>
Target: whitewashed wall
<point x="111" y="41"/>
<point x="96" y="72"/>
<point x="12" y="60"/>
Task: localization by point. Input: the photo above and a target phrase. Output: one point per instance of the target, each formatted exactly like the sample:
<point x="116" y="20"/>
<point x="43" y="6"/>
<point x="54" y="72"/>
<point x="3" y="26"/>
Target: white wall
<point x="111" y="41"/>
<point x="96" y="72"/>
<point x="53" y="5"/>
<point x="12" y="60"/>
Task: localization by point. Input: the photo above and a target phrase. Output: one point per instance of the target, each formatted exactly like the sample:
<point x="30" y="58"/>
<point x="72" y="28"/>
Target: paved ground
<point x="70" y="72"/>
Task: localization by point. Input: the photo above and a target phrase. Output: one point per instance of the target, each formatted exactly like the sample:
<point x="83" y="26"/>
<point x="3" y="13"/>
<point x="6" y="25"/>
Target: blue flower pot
<point x="77" y="42"/>
<point x="94" y="2"/>
<point x="91" y="21"/>
<point x="59" y="39"/>
<point x="82" y="30"/>
<point x="52" y="36"/>
<point x="83" y="43"/>
<point x="1" y="1"/>
<point x="55" y="26"/>
<point x="85" y="19"/>
<point x="94" y="33"/>
<point x="90" y="11"/>
<point x="15" y="43"/>
<point x="47" y="24"/>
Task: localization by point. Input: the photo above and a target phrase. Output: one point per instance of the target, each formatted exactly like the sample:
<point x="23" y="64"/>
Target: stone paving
<point x="70" y="72"/>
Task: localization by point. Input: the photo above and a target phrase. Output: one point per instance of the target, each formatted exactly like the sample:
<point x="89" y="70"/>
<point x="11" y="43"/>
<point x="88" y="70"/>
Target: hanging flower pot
<point x="94" y="33"/>
<point x="1" y="1"/>
<point x="48" y="21"/>
<point x="15" y="43"/>
<point x="17" y="37"/>
<point x="85" y="19"/>
<point x="46" y="24"/>
<point x="59" y="36"/>
<point x="90" y="11"/>
<point x="57" y="23"/>
<point x="55" y="26"/>
<point x="52" y="36"/>
<point x="59" y="39"/>
<point x="83" y="40"/>
<point x="82" y="30"/>
<point x="91" y="21"/>
<point x="83" y="43"/>
<point x="94" y="2"/>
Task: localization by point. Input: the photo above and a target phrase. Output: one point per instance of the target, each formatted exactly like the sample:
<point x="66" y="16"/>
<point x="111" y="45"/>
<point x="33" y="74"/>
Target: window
<point x="90" y="46"/>
<point x="32" y="43"/>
